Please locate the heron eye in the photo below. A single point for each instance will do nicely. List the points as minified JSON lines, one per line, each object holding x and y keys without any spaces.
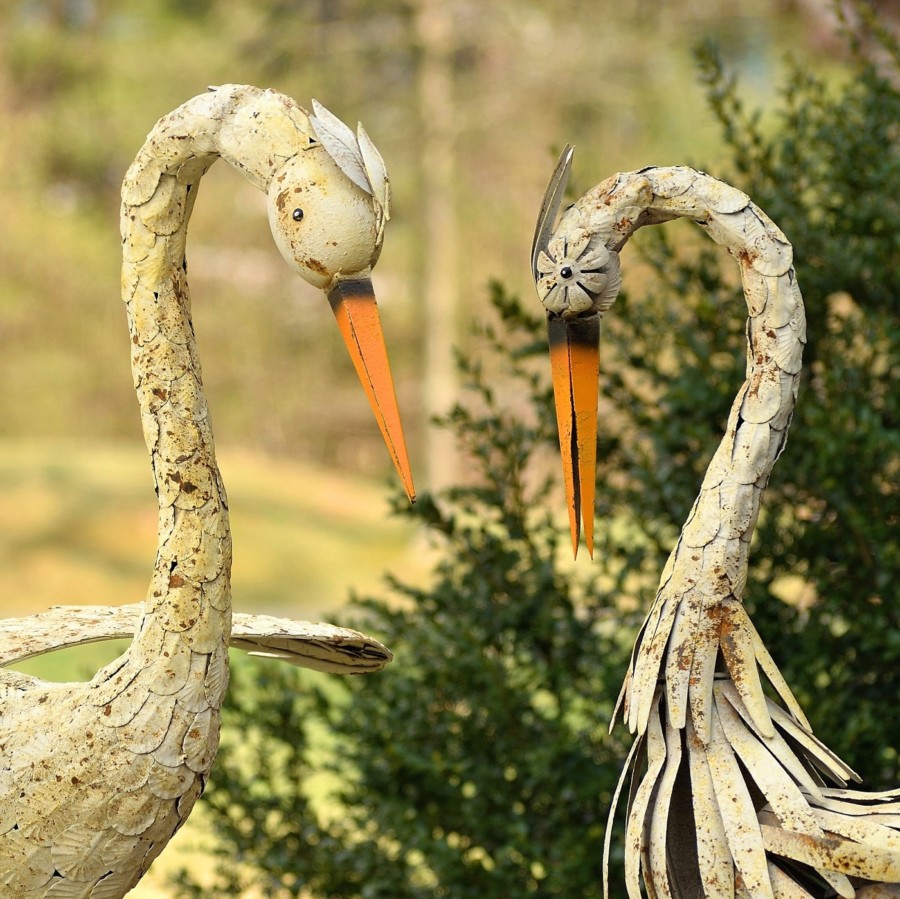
{"x":297,"y":215}
{"x":565,"y":272}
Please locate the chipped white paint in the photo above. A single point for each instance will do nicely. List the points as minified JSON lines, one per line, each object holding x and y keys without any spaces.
{"x":693,"y":693}
{"x":96,"y":777}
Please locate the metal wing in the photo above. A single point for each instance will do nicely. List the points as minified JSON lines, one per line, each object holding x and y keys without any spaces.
{"x":322,"y":647}
{"x":553,"y":196}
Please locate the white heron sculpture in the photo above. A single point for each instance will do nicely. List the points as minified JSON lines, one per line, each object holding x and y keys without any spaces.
{"x":728,"y":796}
{"x":96,"y":777}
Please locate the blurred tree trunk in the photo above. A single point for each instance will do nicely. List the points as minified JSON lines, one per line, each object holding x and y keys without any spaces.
{"x":437,"y":108}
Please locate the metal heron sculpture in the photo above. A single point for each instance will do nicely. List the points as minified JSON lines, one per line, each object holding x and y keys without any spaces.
{"x":731,"y":795}
{"x":96,"y":777}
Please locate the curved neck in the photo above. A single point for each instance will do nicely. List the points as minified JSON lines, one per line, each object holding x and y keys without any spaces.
{"x":724,"y":515}
{"x":256,"y":131}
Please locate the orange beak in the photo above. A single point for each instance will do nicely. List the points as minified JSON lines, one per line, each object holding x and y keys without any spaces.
{"x":575,"y":365}
{"x":353,"y":303}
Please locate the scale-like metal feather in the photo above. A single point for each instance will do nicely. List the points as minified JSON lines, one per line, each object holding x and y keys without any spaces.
{"x":636,"y":836}
{"x":785,"y":886}
{"x":713,"y":854}
{"x":648,"y":666}
{"x":781,"y":791}
{"x":736,"y":643}
{"x":863,"y":796}
{"x":879,"y":891}
{"x":617,"y":793}
{"x":659,"y":812}
{"x":704,"y":521}
{"x":775,"y":677}
{"x":738,"y":813}
{"x":776,"y":745}
{"x":667,"y":183}
{"x":680,"y":656}
{"x":859,"y":828}
{"x":816,"y":751}
{"x":703,"y":671}
{"x":834,"y":854}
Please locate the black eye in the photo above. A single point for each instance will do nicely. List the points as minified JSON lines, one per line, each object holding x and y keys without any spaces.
{"x":565,"y":272}
{"x":297,"y":215}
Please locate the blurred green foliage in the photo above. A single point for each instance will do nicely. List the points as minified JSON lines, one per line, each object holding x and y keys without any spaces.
{"x":477,"y":764}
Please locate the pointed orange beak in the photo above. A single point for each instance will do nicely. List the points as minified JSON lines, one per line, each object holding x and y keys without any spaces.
{"x":353,"y":303}
{"x":575,"y":365}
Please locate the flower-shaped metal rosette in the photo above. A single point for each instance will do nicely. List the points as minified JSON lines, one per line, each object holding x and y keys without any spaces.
{"x":572,"y":273}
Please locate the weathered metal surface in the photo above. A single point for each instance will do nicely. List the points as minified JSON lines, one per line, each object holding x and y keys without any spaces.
{"x":96,"y":777}
{"x":323,"y":647}
{"x":693,"y":693}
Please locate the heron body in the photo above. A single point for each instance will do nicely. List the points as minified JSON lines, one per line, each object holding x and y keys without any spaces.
{"x":96,"y":777}
{"x":728,"y":792}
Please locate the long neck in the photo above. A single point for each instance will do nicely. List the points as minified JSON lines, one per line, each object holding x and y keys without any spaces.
{"x":724,"y":515}
{"x":189,"y":594}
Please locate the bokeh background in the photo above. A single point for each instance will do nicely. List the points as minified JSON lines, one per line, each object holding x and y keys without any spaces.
{"x":468,"y":101}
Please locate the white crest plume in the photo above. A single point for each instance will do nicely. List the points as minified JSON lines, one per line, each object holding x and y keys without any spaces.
{"x":553,"y":197}
{"x":355,"y":155}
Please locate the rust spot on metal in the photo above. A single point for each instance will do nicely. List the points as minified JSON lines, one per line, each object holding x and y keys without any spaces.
{"x":316,"y":266}
{"x":684,"y":659}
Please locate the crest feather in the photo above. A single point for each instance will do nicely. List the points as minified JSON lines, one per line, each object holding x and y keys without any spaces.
{"x":375,"y":170}
{"x":550,"y":204}
{"x":340,"y":143}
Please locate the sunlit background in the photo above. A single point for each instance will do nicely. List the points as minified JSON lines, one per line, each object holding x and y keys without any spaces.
{"x":468,"y":101}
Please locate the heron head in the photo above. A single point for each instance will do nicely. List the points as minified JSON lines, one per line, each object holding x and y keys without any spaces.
{"x":328,"y":205}
{"x":576,"y":274}
{"x":325,"y":226}
{"x":577,"y":279}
